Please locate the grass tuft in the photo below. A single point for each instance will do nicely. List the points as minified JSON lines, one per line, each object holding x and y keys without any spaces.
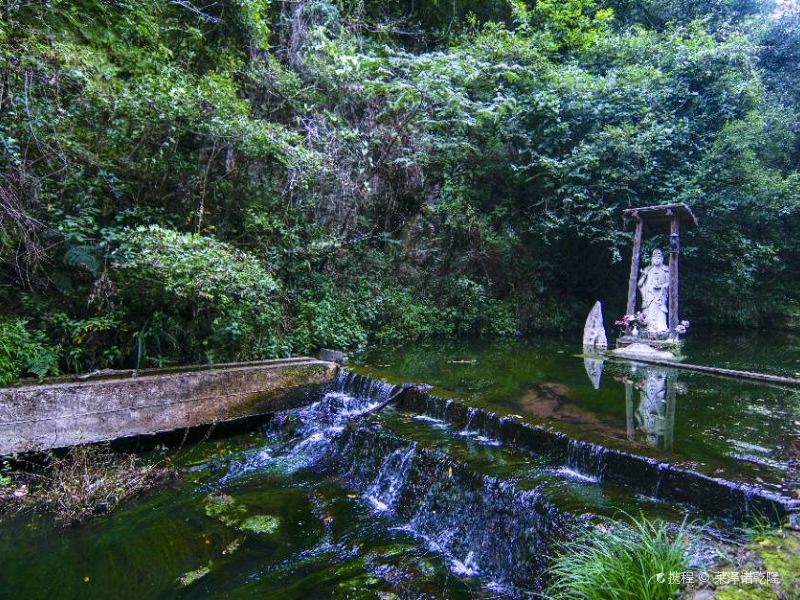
{"x":617,"y":561}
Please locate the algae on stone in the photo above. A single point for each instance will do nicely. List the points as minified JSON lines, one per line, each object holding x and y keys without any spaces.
{"x":190,"y":577}
{"x":261,"y":524}
{"x":781,"y":554}
{"x":770,"y":552}
{"x":233,"y":546}
{"x":224,"y":508}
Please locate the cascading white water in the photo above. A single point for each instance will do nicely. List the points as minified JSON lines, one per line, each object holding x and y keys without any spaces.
{"x":316,"y":427}
{"x":385,"y":491}
{"x":481,"y":526}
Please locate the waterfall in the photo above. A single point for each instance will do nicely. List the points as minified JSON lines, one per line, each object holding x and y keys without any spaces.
{"x":585,"y":462}
{"x":661,"y":469}
{"x":309,"y":434}
{"x":385,"y":491}
{"x":499,"y":530}
{"x":481,"y":525}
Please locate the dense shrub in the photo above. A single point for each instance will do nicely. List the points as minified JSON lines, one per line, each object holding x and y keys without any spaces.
{"x":253,"y":179}
{"x":198,"y":292}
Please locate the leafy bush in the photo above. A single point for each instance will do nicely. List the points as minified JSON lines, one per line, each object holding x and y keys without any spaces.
{"x":401,"y":317}
{"x":326,"y":318}
{"x":24,"y":352}
{"x":194,"y":290}
{"x":260,"y":178}
{"x":622,"y":562}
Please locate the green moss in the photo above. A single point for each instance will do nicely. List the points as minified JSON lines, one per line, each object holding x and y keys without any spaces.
{"x":233,"y":546}
{"x":190,"y":577}
{"x":769,"y":552}
{"x":781,"y":554}
{"x":224,"y":508}
{"x":358,"y":585}
{"x":393,"y":550}
{"x":731,"y":593}
{"x":261,"y":524}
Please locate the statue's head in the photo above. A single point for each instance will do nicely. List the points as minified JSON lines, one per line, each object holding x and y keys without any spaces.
{"x":658,"y":258}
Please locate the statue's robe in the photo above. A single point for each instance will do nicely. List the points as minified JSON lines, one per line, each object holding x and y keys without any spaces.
{"x":654,"y":286}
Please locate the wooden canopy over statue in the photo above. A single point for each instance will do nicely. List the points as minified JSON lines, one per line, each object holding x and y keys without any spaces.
{"x":658,"y":321}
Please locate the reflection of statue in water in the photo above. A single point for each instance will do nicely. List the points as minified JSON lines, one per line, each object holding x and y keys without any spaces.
{"x":651,"y":414}
{"x":654,"y":285}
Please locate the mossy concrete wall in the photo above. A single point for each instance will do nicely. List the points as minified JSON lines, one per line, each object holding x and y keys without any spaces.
{"x":57,"y":415}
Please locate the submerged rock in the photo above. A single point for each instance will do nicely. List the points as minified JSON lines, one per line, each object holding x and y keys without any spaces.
{"x":224,"y":508}
{"x":190,"y":577}
{"x":262,"y":524}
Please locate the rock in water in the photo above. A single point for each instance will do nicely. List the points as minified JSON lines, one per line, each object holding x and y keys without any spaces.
{"x":594,"y":333}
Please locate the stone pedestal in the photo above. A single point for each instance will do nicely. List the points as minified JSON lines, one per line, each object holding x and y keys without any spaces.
{"x":639,"y":350}
{"x":659,"y":344}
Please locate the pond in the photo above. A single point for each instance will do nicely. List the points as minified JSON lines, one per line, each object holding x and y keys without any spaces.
{"x":731,"y":428}
{"x":323,"y":502}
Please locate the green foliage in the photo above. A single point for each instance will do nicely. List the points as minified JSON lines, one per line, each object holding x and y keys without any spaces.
{"x":192,"y":268}
{"x":195,"y":290}
{"x":326,"y":318}
{"x":6,"y":478}
{"x":24,"y":352}
{"x":622,"y":562}
{"x":254,"y":179}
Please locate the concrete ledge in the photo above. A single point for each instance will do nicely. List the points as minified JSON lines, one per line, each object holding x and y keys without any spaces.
{"x":56,"y":415}
{"x":714,"y":496}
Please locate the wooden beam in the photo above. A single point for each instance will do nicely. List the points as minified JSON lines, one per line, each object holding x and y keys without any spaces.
{"x":673,"y":364}
{"x":655,"y":215}
{"x":675,"y":232}
{"x":635,"y":255}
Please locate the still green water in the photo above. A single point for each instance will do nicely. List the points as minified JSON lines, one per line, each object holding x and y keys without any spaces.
{"x":735,"y":429}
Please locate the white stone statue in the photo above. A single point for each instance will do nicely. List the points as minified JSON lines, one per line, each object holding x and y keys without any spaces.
{"x":654,"y":287}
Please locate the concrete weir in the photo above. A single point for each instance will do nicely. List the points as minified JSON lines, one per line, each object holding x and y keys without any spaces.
{"x":650,"y":477}
{"x":124,"y":404}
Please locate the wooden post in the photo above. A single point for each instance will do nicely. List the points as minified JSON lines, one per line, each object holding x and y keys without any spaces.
{"x":637,"y":245}
{"x":674,"y":250}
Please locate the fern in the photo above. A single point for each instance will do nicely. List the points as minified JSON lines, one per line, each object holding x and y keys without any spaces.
{"x":24,"y":352}
{"x":82,"y":257}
